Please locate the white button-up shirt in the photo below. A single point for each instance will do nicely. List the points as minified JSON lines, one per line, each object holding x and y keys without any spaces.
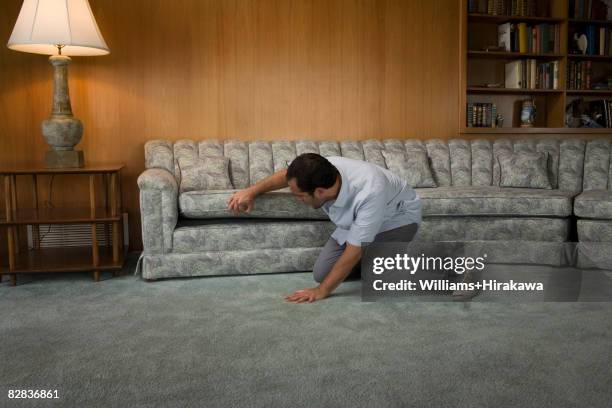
{"x":371,"y":200}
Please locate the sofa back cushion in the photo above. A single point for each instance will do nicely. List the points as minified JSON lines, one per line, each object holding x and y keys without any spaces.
{"x":597,"y":165}
{"x":524,"y":170}
{"x":208,"y":173}
{"x":575,"y":164}
{"x":412,"y":167}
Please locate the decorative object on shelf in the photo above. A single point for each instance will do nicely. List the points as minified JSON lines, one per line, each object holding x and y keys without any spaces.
{"x":528,"y":113}
{"x":573,"y":112}
{"x":582,"y":43}
{"x":60,"y":29}
{"x":494,"y":85}
{"x":499,"y":120}
{"x":581,"y":113}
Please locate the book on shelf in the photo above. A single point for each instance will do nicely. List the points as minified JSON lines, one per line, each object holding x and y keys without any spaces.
{"x":529,"y":74}
{"x":481,"y":114}
{"x":590,"y":9}
{"x":523,"y":8}
{"x":521,"y":37}
{"x":579,"y":75}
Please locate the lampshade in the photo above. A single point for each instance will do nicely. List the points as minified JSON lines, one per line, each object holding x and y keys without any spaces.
{"x":43,"y":24}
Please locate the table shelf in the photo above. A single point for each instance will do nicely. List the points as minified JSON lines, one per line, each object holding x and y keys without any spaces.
{"x":70,"y":259}
{"x":33,"y":216}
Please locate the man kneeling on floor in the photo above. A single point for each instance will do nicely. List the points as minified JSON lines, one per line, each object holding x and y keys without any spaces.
{"x":366,"y":203}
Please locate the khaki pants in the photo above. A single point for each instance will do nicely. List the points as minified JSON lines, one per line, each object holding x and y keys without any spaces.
{"x":332,"y":250}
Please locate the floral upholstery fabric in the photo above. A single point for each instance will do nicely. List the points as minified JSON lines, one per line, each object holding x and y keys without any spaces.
{"x":438,"y":152}
{"x":159,"y":155}
{"x":595,"y":231}
{"x":493,"y":229}
{"x":596,"y":165}
{"x":283,"y":154}
{"x":250,"y":234}
{"x":571,"y":164}
{"x":515,"y":225}
{"x":275,"y":204}
{"x":411,"y":166}
{"x":211,"y":263}
{"x":594,"y":204}
{"x":524,"y":170}
{"x":158,"y":209}
{"x":442,"y":201}
{"x":211,"y":173}
{"x":238,"y":154}
{"x":460,"y":162}
{"x":461,"y":201}
{"x":455,"y":162}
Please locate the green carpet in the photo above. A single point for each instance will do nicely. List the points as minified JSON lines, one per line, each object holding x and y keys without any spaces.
{"x":232,"y":341}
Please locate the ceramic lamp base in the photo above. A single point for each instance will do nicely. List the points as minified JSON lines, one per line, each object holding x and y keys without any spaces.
{"x":59,"y":159}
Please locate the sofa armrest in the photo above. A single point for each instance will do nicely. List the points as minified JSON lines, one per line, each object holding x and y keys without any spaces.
{"x":158,"y":209}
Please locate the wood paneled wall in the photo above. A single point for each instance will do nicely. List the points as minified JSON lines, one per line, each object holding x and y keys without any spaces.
{"x":245,"y":69}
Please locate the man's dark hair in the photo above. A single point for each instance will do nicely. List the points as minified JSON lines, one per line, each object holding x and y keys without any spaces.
{"x":312,"y":171}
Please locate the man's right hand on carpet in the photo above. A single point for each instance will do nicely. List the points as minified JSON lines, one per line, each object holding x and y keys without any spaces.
{"x":241,"y":201}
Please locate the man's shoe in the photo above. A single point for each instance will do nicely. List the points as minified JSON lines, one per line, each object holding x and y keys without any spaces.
{"x":463,"y":295}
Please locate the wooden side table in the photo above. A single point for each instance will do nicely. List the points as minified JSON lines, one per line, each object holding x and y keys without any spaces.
{"x":64,"y":259}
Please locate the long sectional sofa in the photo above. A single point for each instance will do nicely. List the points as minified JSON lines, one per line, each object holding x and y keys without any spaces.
{"x":192,"y":233}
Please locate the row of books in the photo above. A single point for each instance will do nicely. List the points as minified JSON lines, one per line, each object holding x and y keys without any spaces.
{"x":579,"y":75}
{"x":531,"y":74}
{"x":590,"y":9}
{"x":539,"y":38}
{"x":598,"y":40}
{"x":503,"y":7}
{"x":481,"y":114}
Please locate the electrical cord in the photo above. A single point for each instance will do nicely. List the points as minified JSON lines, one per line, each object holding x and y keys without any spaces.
{"x":48,"y":204}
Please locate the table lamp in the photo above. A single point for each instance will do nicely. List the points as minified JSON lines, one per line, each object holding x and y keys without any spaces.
{"x":59,"y":28}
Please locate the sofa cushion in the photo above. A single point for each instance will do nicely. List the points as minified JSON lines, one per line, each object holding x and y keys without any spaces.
{"x":276,"y":204}
{"x":412,"y":167}
{"x":594,"y":204}
{"x":524,"y":170}
{"x":209,"y":173}
{"x":441,"y":201}
{"x":465,"y":201}
{"x":594,"y":231}
{"x":493,"y":229}
{"x":242,"y":235}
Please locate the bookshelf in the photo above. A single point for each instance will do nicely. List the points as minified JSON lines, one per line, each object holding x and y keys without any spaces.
{"x":481,"y":65}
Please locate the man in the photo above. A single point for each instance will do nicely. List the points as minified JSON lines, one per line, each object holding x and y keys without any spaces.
{"x":366,"y":202}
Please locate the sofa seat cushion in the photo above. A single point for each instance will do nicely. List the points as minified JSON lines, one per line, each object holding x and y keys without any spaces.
{"x":493,"y":229}
{"x":594,"y":204}
{"x":498,"y":201}
{"x":241,"y":235}
{"x":252,"y":234}
{"x":595,"y":231}
{"x":276,"y":204}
